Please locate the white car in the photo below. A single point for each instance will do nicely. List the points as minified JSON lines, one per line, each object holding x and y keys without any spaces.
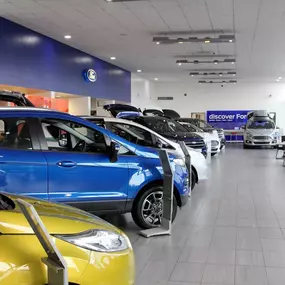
{"x":142,"y":135}
{"x":209,"y":138}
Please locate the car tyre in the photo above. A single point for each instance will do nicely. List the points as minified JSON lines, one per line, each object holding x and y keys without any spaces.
{"x":213,"y":154}
{"x":245,"y":146}
{"x":193,"y":179}
{"x":144,"y":204}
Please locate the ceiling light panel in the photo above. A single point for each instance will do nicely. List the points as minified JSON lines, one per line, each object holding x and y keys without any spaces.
{"x":214,"y":73}
{"x":185,"y":61}
{"x":217,"y":82}
{"x":206,"y":40}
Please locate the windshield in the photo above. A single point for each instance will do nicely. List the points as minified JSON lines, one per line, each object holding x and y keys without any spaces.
{"x":162,"y":125}
{"x":261,"y":124}
{"x":191,"y":128}
{"x":202,"y":124}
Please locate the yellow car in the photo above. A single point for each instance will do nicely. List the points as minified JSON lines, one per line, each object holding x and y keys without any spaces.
{"x":95,"y":251}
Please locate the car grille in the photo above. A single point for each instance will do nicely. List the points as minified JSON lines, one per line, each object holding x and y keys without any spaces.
{"x":195,"y":144}
{"x":262,"y":138}
{"x":261,"y":143}
{"x":221,"y":134}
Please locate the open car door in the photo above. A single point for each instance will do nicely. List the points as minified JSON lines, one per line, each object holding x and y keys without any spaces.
{"x":16,"y":98}
{"x":115,"y":109}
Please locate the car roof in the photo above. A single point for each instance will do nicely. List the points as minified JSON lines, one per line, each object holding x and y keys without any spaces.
{"x":29,"y":109}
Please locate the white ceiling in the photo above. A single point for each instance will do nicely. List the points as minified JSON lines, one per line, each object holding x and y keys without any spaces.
{"x":125,"y":30}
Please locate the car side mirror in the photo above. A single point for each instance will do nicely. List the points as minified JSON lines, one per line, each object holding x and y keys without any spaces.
{"x":113,"y":153}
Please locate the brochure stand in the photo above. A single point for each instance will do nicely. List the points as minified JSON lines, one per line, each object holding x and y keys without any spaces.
{"x":57,"y":269}
{"x":188,"y":163}
{"x":166,"y":221}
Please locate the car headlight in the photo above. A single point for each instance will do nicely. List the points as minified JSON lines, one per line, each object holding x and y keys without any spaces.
{"x":179,"y":161}
{"x":248,"y":135}
{"x":98,"y":240}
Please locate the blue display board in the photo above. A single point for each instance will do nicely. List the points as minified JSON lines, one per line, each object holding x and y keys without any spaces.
{"x":228,"y":120}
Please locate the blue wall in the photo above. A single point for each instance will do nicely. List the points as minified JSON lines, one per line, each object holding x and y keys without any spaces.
{"x":30,"y":59}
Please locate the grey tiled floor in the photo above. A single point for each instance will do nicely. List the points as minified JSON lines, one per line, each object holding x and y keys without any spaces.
{"x":231,"y":232}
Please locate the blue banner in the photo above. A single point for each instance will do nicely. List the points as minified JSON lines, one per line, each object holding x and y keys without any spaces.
{"x":228,"y":120}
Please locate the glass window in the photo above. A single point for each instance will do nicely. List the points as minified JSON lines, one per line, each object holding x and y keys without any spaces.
{"x":261,"y":124}
{"x":15,"y":134}
{"x":133,"y":134}
{"x":163,"y":125}
{"x":69,"y":136}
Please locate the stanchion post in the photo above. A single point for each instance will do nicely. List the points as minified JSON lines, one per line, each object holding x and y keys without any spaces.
{"x":56,"y":265}
{"x":166,"y":220}
{"x":188,"y":163}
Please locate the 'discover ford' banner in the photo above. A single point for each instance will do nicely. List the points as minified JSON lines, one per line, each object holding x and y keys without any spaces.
{"x":228,"y":120}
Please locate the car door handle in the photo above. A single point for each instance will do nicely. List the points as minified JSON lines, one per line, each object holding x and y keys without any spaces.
{"x":66,"y":164}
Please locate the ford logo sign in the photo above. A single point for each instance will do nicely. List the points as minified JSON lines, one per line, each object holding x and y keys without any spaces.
{"x":90,"y":75}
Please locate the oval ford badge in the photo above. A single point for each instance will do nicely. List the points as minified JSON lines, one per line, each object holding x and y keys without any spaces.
{"x":90,"y":75}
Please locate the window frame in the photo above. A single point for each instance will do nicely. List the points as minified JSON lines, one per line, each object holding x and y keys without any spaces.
{"x":43,"y":141}
{"x":32,"y":122}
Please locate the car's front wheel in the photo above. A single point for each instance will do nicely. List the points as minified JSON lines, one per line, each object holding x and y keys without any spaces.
{"x":147,"y":210}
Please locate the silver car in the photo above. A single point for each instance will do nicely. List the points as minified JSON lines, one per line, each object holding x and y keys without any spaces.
{"x":260,"y":131}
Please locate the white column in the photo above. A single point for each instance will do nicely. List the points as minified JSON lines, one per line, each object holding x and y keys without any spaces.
{"x":80,"y":106}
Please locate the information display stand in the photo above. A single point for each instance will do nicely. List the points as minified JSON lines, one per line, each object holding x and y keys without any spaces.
{"x":188,"y":163}
{"x":57,"y":269}
{"x":166,"y":220}
{"x":209,"y":156}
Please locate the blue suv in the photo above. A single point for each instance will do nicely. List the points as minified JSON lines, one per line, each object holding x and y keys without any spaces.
{"x":63,"y":158}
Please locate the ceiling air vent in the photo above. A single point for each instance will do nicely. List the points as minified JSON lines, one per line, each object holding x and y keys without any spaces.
{"x":164,"y":98}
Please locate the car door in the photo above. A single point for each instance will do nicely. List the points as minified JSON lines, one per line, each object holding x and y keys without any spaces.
{"x":79,"y":169}
{"x":23,"y":168}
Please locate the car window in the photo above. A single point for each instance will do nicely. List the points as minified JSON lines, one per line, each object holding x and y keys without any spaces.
{"x":63,"y":135}
{"x":133,"y":134}
{"x":15,"y":134}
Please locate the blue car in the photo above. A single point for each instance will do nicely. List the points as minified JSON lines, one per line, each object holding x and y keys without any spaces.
{"x":63,"y":158}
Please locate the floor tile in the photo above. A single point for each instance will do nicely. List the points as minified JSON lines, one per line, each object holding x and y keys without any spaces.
{"x":276,"y":276}
{"x":267,"y":233}
{"x":162,"y":253}
{"x":274,"y":258}
{"x":157,"y":271}
{"x":221,"y":256}
{"x":273,"y":244}
{"x":249,"y":257}
{"x":194,"y":254}
{"x":187,"y":272}
{"x":250,"y":275}
{"x":219,"y":274}
{"x":268,"y":223}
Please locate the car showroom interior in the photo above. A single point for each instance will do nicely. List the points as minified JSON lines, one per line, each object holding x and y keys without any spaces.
{"x":142,"y":142}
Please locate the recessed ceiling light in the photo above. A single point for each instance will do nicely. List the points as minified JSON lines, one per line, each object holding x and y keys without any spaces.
{"x":180,"y":42}
{"x":207,"y":41}
{"x":67,"y":37}
{"x":230,"y":41}
{"x":139,"y":70}
{"x":156,"y":79}
{"x":179,"y":63}
{"x":279,"y":77}
{"x":234,"y":74}
{"x":221,"y":74}
{"x":215,"y":62}
{"x":192,"y":74}
{"x":233,"y":62}
{"x":109,"y":0}
{"x":112,"y":57}
{"x":158,"y":43}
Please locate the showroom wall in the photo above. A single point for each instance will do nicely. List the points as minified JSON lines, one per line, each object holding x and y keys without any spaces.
{"x":30,"y":59}
{"x":242,"y":96}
